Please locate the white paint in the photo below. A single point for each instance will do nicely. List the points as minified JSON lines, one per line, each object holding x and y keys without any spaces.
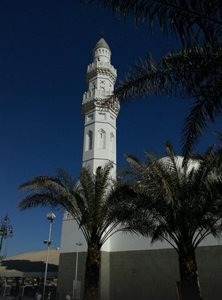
{"x":101,"y":77}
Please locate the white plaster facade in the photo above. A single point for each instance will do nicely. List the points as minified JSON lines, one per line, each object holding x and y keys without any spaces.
{"x":99,"y":144}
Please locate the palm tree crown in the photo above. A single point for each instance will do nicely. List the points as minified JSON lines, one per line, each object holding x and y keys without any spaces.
{"x":179,"y":202}
{"x":179,"y":195}
{"x":91,"y":202}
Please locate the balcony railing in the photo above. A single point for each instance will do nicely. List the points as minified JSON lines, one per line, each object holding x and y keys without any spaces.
{"x":101,"y":64}
{"x":90,"y":95}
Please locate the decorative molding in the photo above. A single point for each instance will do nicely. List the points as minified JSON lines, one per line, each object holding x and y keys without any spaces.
{"x":101,"y":71}
{"x":105,"y":104}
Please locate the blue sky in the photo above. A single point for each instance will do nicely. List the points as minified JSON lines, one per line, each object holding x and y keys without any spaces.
{"x":45,"y":49}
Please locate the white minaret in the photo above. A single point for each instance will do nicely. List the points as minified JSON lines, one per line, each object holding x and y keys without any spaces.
{"x":99,"y":144}
{"x":100,"y":115}
{"x":99,"y":147}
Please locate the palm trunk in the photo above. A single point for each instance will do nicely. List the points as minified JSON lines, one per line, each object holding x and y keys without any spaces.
{"x":189,"y":281}
{"x":93,"y":260}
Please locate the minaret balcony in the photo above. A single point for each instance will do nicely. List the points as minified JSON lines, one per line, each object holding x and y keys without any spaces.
{"x":96,"y":94}
{"x":101,"y":65}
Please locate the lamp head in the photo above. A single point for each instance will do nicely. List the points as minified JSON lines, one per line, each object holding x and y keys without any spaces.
{"x":51,"y":216}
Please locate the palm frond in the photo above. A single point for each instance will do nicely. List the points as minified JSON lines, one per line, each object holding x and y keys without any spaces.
{"x":92,"y":201}
{"x":44,"y":183}
{"x":134,"y":170}
{"x":191,"y":21}
{"x":38,"y":200}
{"x":65,"y":178}
{"x":147,"y":77}
{"x":86,"y":185}
{"x":194,"y":73}
{"x":204,"y":111}
{"x":180,"y":203}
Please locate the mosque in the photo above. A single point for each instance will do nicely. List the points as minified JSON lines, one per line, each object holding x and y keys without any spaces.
{"x":131,"y":267}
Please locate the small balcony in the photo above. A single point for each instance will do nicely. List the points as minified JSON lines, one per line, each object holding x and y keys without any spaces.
{"x":96,"y":94}
{"x":100,"y":64}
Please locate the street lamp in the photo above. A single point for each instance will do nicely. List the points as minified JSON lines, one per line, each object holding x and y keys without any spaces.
{"x":6,"y":230}
{"x":51,"y":217}
{"x":79,"y":244}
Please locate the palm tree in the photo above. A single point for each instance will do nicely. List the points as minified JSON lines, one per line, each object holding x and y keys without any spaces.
{"x":178,"y":202}
{"x":91,"y":203}
{"x":198,"y":26}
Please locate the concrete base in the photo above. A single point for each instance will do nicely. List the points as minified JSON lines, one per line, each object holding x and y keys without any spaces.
{"x":144,"y":275}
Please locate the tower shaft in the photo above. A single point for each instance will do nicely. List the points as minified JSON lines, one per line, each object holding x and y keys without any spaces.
{"x":99,"y":111}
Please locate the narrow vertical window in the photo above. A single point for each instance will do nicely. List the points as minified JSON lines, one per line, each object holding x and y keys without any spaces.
{"x":112,"y":141}
{"x":102,"y":139}
{"x":90,"y":117}
{"x":89,"y":140}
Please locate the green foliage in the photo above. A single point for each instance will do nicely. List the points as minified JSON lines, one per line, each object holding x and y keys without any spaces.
{"x":178,"y":201}
{"x":92,"y":200}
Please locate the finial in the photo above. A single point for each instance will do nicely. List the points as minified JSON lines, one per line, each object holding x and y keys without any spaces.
{"x":101,"y":35}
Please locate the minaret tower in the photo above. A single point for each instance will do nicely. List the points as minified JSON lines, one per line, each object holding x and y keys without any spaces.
{"x":99,"y":112}
{"x":99,"y":147}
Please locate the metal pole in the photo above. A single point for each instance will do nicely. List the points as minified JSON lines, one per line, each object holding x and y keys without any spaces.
{"x":6,"y":230}
{"x":1,"y":242}
{"x":76,"y":269}
{"x":50,"y":217}
{"x":47,"y":260}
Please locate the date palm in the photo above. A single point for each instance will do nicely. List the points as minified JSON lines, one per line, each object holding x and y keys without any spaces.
{"x":90,"y":201}
{"x":178,"y":202}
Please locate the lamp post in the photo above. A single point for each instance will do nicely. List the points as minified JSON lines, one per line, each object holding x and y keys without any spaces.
{"x":6,"y":230}
{"x":79,"y":244}
{"x":51,"y":217}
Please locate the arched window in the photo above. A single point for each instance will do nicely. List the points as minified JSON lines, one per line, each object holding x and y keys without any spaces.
{"x":112,"y":141}
{"x":89,"y":140}
{"x":102,"y":90}
{"x":101,"y":139}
